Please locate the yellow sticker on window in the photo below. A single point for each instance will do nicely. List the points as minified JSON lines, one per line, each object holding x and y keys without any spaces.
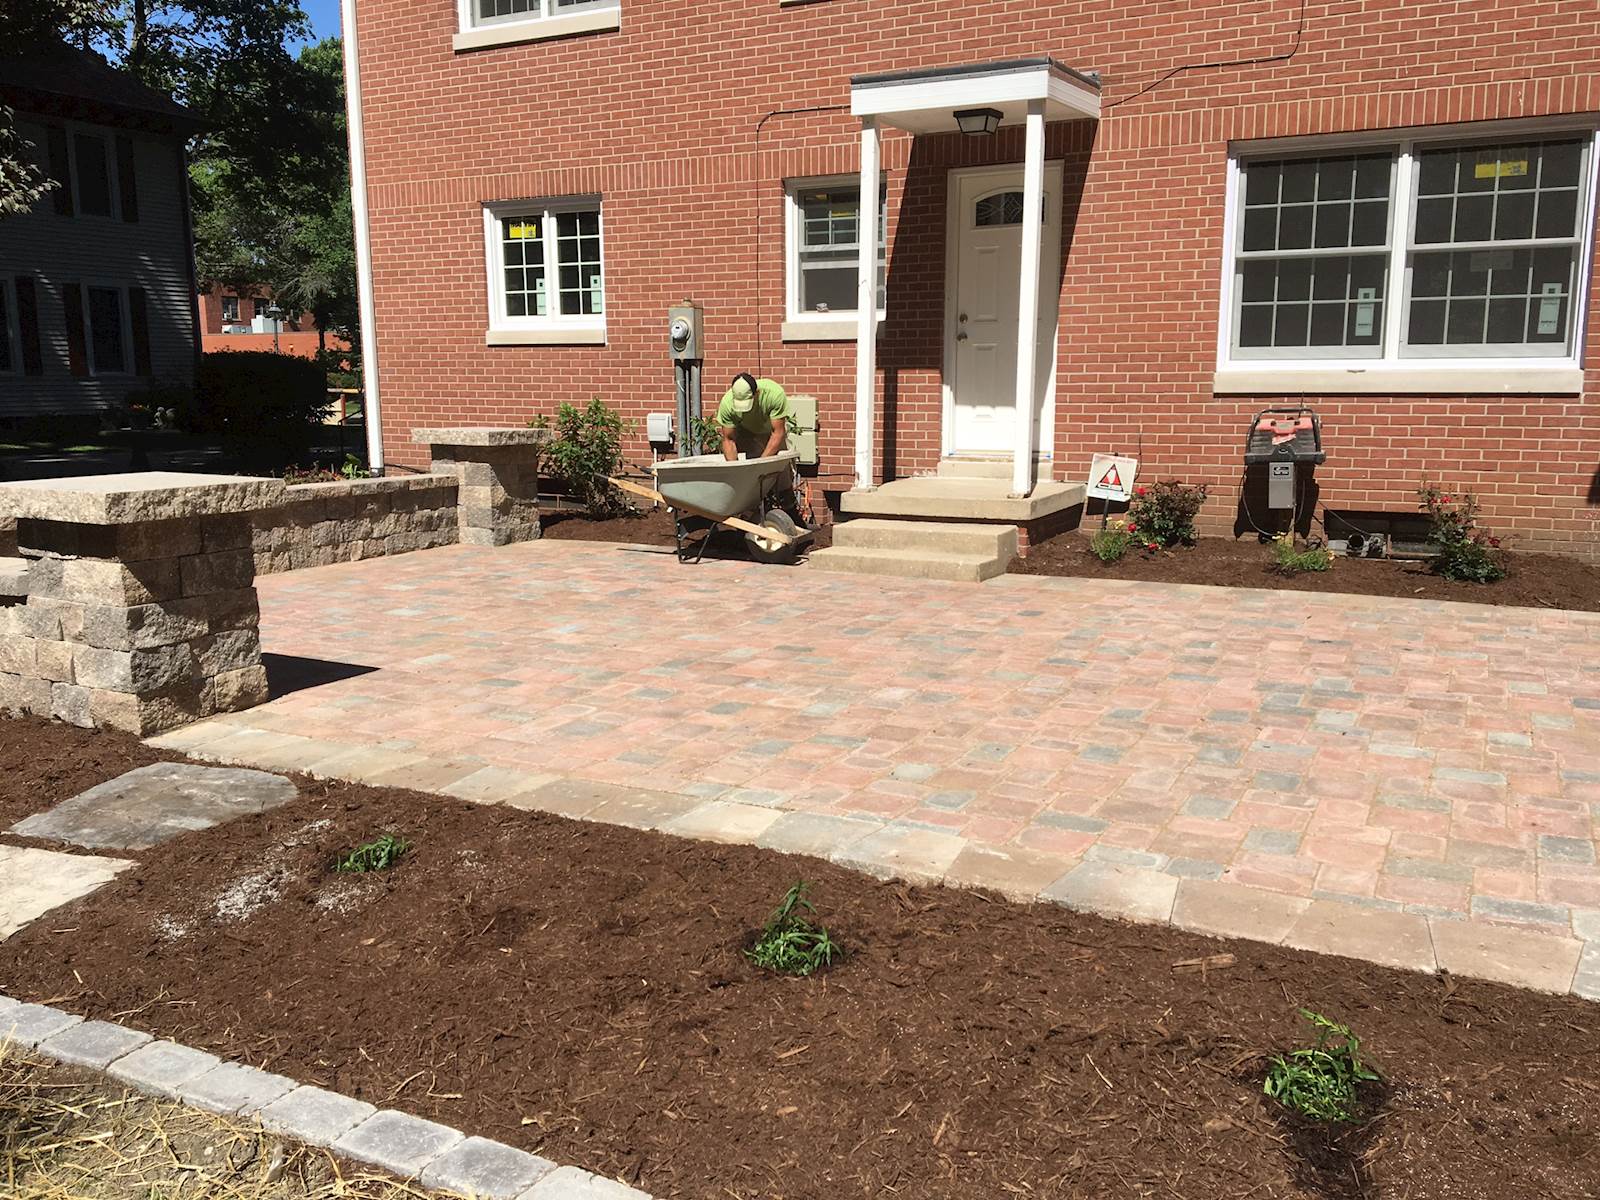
{"x":1500,"y":168}
{"x":524,"y":229}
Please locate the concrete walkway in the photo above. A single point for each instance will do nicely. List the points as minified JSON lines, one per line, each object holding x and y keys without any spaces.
{"x":1408,"y":781}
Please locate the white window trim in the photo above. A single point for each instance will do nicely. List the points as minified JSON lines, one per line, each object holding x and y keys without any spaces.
{"x":800,"y":325}
{"x":107,"y":139}
{"x":1519,"y":375}
{"x":551,"y":329}
{"x":125,"y":306}
{"x":11,"y":332}
{"x":473,"y":34}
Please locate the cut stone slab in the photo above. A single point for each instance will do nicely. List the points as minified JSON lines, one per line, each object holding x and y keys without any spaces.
{"x":495,"y":785}
{"x":162,"y":1068}
{"x":573,"y":797}
{"x":125,"y":499}
{"x":486,"y":1170}
{"x":397,"y":1142}
{"x":34,"y":881}
{"x":820,"y":834}
{"x":1015,"y":872}
{"x":640,"y":808}
{"x":314,"y":1115}
{"x":148,"y":805}
{"x":1116,"y":890}
{"x":903,"y":852}
{"x":723,"y":821}
{"x":27,"y":1025}
{"x":1391,"y":939}
{"x":95,"y":1044}
{"x":569,"y":1183}
{"x":480,"y":435}
{"x":234,"y":1089}
{"x":1521,"y":957}
{"x":1233,"y":910}
{"x":13,"y":577}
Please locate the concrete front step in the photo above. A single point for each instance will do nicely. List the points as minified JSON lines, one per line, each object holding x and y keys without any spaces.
{"x":947,"y":498}
{"x":909,"y":564}
{"x":944,"y":537}
{"x":975,"y":468}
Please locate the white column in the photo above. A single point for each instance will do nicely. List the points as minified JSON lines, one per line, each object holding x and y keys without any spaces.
{"x":867,"y":301}
{"x":366,"y":302}
{"x":1028,"y":298}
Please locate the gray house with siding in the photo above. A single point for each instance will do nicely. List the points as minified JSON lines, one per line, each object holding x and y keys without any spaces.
{"x":97,"y":279}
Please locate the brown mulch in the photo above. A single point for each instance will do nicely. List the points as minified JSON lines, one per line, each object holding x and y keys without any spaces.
{"x":42,"y":762}
{"x":1534,"y":581}
{"x":650,"y":528}
{"x":579,"y":990}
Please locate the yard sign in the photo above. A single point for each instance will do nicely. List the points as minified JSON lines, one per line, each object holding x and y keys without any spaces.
{"x":1111,"y":477}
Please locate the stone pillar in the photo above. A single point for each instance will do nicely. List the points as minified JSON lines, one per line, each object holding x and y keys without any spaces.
{"x":141,"y":610}
{"x":498,"y":469}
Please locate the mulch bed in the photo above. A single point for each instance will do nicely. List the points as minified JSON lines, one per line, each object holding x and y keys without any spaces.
{"x":579,"y":990}
{"x":1534,"y":581}
{"x":652,"y":527}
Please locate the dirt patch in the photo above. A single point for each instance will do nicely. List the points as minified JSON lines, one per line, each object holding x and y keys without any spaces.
{"x":1534,"y":581}
{"x":578,"y":990}
{"x":650,"y":528}
{"x":46,"y":761}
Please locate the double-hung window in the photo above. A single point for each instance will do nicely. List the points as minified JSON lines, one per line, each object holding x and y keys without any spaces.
{"x":823,"y":257}
{"x":109,"y":335}
{"x":230,"y":309}
{"x":1386,"y":266}
{"x":497,"y":22}
{"x":546,"y":272}
{"x":10,"y":339}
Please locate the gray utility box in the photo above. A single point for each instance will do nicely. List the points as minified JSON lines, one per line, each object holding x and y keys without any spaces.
{"x":685,"y":333}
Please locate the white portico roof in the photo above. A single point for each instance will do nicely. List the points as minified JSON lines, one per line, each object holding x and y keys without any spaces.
{"x":925,"y":100}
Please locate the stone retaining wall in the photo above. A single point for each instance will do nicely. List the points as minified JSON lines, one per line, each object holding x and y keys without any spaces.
{"x":322,"y":523}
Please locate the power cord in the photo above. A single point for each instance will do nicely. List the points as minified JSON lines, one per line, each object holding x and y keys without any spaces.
{"x":1294,"y":48}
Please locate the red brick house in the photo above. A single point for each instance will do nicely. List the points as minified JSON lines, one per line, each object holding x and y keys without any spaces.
{"x":239,"y":318}
{"x":1383,"y":210}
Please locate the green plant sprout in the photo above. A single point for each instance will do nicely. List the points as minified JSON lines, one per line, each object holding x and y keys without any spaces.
{"x":1320,"y":1081}
{"x":1289,"y":559}
{"x":789,"y":943}
{"x":377,"y":855}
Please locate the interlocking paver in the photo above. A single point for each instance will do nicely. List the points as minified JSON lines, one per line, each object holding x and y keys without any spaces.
{"x":234,"y":1089}
{"x":1521,"y":956}
{"x":486,"y":1170}
{"x":1394,"y":939}
{"x":94,"y":1044}
{"x":162,"y":1068}
{"x":569,"y":1183}
{"x":314,"y":1115}
{"x":723,"y":821}
{"x":1137,"y":893}
{"x":937,"y":707}
{"x":29,"y":1024}
{"x":397,"y":1142}
{"x":1232,"y":910}
{"x":902,"y":852}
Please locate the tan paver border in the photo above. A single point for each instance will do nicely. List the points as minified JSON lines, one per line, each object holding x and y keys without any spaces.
{"x":1479,"y":949}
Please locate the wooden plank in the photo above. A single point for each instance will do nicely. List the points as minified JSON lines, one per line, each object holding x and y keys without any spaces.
{"x":739,"y":523}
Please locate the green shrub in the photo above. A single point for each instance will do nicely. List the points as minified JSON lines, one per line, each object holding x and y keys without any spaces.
{"x":1110,"y":544}
{"x":705,"y":435}
{"x":1162,"y":514}
{"x":1288,"y":559}
{"x":1466,"y":552}
{"x":1320,"y":1081}
{"x":377,"y":855}
{"x":264,"y":407}
{"x":585,"y":447}
{"x":789,"y":943}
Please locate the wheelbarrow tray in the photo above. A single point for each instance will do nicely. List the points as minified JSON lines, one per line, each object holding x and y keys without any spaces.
{"x":717,"y":487}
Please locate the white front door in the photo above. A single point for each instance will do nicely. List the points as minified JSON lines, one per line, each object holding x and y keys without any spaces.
{"x":981,"y":309}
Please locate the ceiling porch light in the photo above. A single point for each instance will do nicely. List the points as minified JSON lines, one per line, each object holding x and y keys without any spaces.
{"x":978,"y":122}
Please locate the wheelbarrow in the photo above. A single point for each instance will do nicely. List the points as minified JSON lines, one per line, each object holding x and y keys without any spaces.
{"x":707,"y":492}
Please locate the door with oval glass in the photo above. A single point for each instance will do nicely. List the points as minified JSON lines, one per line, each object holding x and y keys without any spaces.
{"x":981,"y":309}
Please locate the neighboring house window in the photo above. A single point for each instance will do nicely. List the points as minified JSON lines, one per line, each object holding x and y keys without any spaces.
{"x":824,"y":248}
{"x":1422,"y":249}
{"x":10,"y":340}
{"x":546,"y":273}
{"x":108,"y":330}
{"x":92,"y":171}
{"x":230,"y":310}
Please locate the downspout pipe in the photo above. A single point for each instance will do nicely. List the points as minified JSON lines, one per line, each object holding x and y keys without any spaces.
{"x":365,"y":298}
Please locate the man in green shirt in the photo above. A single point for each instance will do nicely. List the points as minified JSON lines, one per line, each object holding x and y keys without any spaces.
{"x":754,"y":418}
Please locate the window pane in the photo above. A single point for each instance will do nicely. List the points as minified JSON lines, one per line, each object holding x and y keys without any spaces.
{"x":578,"y":252}
{"x":1299,"y":181}
{"x":1261,"y":229}
{"x":1463,"y":324}
{"x":1503,"y":297}
{"x":1255,"y":325}
{"x":1345,"y":295}
{"x":829,"y":230}
{"x":105,"y":330}
{"x":1294,"y":227}
{"x":1290,"y":326}
{"x":522,"y":247}
{"x":94,"y":178}
{"x":1513,"y":216}
{"x":1314,"y":208}
{"x":492,"y":10}
{"x":1261,"y":182}
{"x":1474,"y":218}
{"x":1427,"y":323}
{"x":1333,"y":225}
{"x":1558,"y":214}
{"x":1002,"y":209}
{"x":1498,"y":192}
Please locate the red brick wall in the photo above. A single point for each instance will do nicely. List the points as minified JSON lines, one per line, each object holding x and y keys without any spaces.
{"x":660,"y":119}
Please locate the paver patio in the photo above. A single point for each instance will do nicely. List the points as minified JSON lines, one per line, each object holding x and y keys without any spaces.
{"x":1437,"y":760}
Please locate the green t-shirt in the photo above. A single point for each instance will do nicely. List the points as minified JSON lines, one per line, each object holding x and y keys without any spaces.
{"x":772,"y":404}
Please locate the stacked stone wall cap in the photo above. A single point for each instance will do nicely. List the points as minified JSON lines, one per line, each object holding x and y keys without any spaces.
{"x":481,"y":435}
{"x":125,"y":499}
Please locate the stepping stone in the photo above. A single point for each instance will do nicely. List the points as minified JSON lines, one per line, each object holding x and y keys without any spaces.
{"x":32,"y":882}
{"x":149,"y":805}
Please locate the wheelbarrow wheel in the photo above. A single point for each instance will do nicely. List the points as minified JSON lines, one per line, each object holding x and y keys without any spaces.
{"x":771,"y":550}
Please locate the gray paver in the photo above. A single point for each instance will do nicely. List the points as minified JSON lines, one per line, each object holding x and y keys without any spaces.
{"x":569,"y":1183}
{"x":397,"y":1142}
{"x":234,"y":1089}
{"x":314,"y":1115}
{"x":485,"y":1169}
{"x":29,"y":1024}
{"x":95,"y":1044}
{"x":162,"y":1068}
{"x":1115,"y":890}
{"x":147,"y":805}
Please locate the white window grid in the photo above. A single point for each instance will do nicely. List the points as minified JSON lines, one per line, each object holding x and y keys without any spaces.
{"x":124,"y":328}
{"x":1395,"y":348}
{"x":834,"y":232}
{"x":480,"y":13}
{"x":570,"y":233}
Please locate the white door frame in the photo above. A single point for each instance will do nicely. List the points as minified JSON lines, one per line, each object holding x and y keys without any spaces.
{"x":1053,"y":182}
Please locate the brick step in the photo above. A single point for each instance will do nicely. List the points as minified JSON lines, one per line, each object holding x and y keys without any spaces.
{"x":909,"y":564}
{"x":947,"y":537}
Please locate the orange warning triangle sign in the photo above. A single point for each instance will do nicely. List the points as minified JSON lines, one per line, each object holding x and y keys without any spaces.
{"x":1111,"y":479}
